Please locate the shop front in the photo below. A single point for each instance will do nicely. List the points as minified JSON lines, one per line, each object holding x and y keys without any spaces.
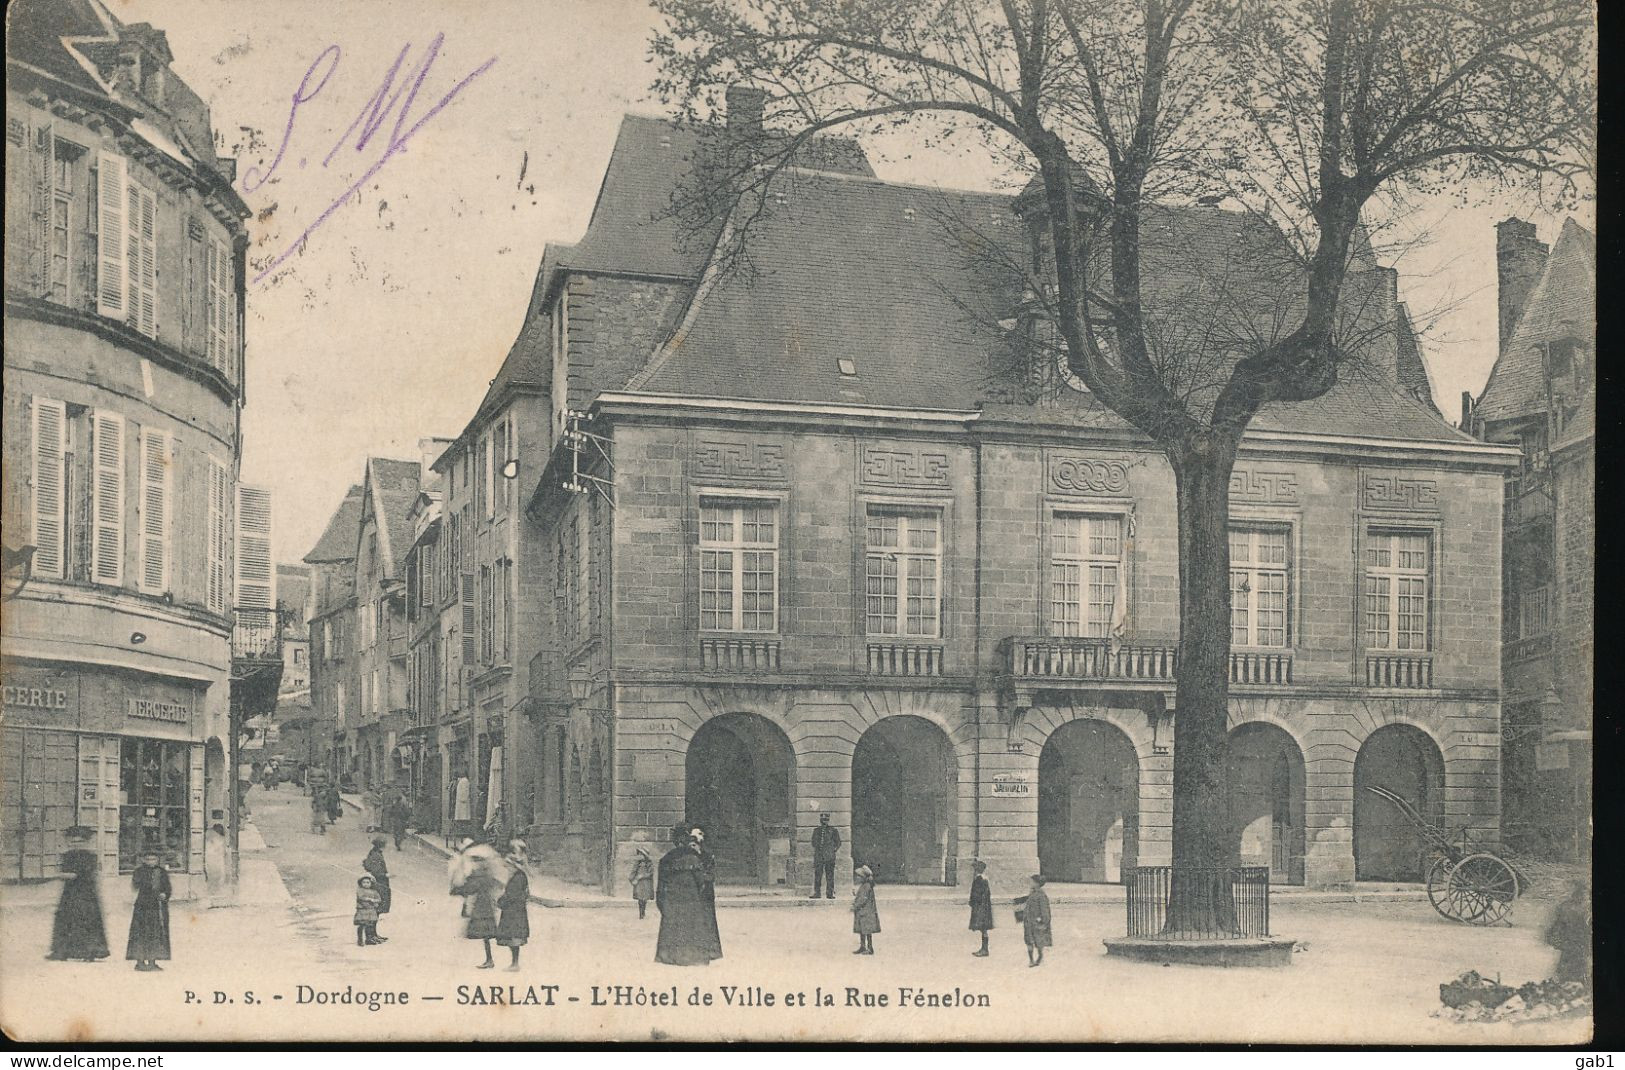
{"x":115,"y":751}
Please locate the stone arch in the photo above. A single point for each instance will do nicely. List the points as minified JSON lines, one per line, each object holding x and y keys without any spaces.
{"x":1266,"y":799}
{"x":707,"y":704}
{"x":739,"y":782}
{"x":1405,"y":759}
{"x":1267,"y":711}
{"x":905,"y":800}
{"x":1042,"y":722}
{"x":1088,"y":824}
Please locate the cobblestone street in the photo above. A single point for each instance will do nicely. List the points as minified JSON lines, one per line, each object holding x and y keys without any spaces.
{"x":1365,"y":972}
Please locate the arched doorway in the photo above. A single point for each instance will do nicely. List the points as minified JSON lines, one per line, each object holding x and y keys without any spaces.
{"x":1404,"y":760}
{"x":905,"y":787}
{"x":1264,"y":788}
{"x":739,"y":779}
{"x":1088,"y":803}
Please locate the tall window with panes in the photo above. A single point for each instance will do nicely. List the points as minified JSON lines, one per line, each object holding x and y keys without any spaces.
{"x":903,"y":572}
{"x":1398,"y":567}
{"x":1259,"y":585}
{"x":1087,"y":589}
{"x":739,"y":565}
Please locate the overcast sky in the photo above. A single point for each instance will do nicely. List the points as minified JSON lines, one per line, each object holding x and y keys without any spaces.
{"x":389,"y":323}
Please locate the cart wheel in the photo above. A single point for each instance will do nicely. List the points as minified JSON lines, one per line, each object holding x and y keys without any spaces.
{"x":1440,"y":895}
{"x":1487,"y":886}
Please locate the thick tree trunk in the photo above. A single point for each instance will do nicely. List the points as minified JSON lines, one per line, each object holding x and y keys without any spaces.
{"x":1200,"y":898}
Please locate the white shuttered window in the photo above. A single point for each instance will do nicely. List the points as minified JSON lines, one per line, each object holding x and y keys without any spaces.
{"x":218,"y":307}
{"x":256,"y":579}
{"x":141,"y":254}
{"x":157,"y":484}
{"x":107,"y":498}
{"x":219,"y":486}
{"x":111,"y":236}
{"x":50,"y":488}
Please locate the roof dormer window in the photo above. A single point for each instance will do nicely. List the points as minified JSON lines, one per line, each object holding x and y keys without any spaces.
{"x":847,"y":366}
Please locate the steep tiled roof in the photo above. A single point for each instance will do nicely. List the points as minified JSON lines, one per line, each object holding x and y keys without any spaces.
{"x":634,"y":227}
{"x":878,"y":274}
{"x":1411,"y":368}
{"x":34,"y":33}
{"x":78,"y":43}
{"x":338,"y":538}
{"x":529,"y":359}
{"x":1561,"y":305}
{"x":394,"y":487}
{"x":853,"y":270}
{"x":293,"y":587}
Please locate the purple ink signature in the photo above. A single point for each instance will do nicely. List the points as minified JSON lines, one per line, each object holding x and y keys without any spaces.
{"x":369,"y":121}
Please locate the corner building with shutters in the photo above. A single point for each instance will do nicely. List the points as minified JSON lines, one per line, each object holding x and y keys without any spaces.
{"x":835,"y":534}
{"x":123,"y":386}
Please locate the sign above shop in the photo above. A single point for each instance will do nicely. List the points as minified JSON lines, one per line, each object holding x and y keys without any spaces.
{"x":36,"y":698}
{"x":153,"y":710}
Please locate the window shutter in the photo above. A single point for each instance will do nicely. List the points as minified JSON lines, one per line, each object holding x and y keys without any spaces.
{"x":256,"y":580}
{"x":107,"y":498}
{"x":156,"y":465}
{"x":111,"y":238}
{"x":141,"y":266}
{"x":50,"y":499}
{"x":468,"y":618}
{"x":217,"y":537}
{"x":148,"y":307}
{"x":220,"y":307}
{"x":40,"y":158}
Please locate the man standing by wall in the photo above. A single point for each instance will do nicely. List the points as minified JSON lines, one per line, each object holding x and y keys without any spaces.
{"x":825,"y":842}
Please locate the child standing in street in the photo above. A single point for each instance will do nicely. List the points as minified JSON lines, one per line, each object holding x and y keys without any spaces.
{"x":367,"y":900}
{"x":643,"y":880}
{"x":1035,"y":922}
{"x":865,"y":915}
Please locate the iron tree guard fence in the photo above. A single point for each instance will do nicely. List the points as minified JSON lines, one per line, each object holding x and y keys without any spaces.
{"x":1220,"y":903}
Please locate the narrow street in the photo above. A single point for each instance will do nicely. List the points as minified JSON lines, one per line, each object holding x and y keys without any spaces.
{"x":1365,"y":971}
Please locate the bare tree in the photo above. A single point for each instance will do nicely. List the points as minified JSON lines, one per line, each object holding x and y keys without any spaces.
{"x":1307,"y":112}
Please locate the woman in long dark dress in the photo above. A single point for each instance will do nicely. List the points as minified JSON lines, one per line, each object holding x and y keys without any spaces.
{"x":685,"y":895}
{"x":513,"y":925}
{"x":981,"y":906}
{"x":149,"y":922}
{"x":77,"y":931}
{"x":374,"y":864}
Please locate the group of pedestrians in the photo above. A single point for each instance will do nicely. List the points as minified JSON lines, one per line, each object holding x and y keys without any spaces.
{"x":684,"y":890}
{"x":686,"y":897}
{"x":78,"y":931}
{"x":495,"y":886}
{"x":325,"y":805}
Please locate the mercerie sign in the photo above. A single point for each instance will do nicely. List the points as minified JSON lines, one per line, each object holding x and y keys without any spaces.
{"x":35,"y":698}
{"x":153,"y":710}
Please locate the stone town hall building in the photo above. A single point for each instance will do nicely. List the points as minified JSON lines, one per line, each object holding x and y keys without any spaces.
{"x":841,"y":563}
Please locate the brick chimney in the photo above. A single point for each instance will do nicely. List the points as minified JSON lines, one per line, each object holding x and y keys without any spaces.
{"x":1520,"y":257}
{"x":745,"y":106}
